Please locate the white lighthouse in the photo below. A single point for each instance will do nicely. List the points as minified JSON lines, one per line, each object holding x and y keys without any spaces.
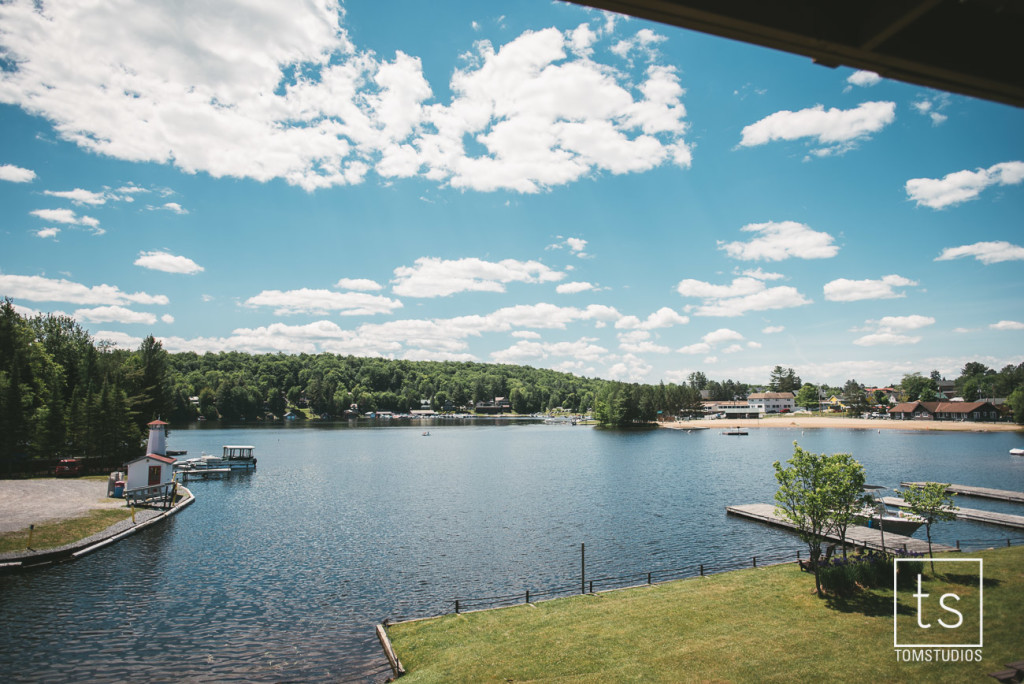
{"x":157,"y":438}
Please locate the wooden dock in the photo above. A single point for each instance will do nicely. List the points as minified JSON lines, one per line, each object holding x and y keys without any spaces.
{"x":980,"y":492}
{"x":856,"y":535}
{"x":1005,"y":519}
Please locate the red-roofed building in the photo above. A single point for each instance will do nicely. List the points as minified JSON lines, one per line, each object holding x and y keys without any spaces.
{"x":945,"y":410}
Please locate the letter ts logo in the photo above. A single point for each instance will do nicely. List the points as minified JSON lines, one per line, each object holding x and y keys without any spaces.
{"x":945,"y":611}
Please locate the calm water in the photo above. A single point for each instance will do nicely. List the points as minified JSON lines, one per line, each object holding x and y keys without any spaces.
{"x":281,"y":574}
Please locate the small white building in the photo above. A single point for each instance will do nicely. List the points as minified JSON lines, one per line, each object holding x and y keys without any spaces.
{"x":156,"y":467}
{"x":772,"y":402}
{"x":149,"y":470}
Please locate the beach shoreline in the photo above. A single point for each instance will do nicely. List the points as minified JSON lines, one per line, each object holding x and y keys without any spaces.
{"x":802,"y":422}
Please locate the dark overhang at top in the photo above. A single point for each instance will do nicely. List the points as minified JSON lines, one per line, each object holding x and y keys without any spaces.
{"x":972,"y":47}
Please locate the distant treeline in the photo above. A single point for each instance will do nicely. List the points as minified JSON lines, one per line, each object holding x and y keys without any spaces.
{"x":62,"y":394}
{"x":236,"y":386}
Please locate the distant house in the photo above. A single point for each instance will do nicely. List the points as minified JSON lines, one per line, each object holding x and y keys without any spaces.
{"x":499,"y":405}
{"x":945,"y":410}
{"x":771,"y":402}
{"x":729,"y":409}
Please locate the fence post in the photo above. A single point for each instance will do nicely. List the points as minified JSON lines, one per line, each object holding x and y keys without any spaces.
{"x":591,"y":586}
{"x":456,"y":606}
{"x":798,"y":554}
{"x":1007,"y":542}
{"x":701,"y":569}
{"x":648,"y":578}
{"x":583,"y":568}
{"x":755,"y":561}
{"x":957,"y":544}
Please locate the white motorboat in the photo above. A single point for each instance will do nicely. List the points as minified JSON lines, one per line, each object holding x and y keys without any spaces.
{"x":233,"y":458}
{"x":877,"y":515}
{"x":1017,"y":452}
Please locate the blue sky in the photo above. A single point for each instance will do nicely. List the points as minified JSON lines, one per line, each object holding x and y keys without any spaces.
{"x":513,"y":182}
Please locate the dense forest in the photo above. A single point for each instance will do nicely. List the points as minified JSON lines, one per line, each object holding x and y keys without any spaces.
{"x":64,"y":395}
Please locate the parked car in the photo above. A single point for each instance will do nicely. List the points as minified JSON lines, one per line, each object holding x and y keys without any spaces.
{"x":68,"y":467}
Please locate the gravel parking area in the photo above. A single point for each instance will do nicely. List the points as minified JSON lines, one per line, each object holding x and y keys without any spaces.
{"x":31,"y":502}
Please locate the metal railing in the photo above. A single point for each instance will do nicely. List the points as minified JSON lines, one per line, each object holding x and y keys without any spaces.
{"x":591,"y":585}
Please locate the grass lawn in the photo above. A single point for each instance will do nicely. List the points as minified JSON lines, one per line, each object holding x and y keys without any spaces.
{"x":749,"y":625}
{"x":52,"y":535}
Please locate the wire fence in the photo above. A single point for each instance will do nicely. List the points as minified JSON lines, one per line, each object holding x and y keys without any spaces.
{"x":590,"y":585}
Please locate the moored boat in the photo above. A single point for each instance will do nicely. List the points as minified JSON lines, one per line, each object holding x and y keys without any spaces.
{"x":877,"y":515}
{"x":1017,"y":452}
{"x":239,"y":457}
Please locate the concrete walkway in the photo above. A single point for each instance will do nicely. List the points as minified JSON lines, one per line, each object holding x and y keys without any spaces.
{"x":144,"y":517}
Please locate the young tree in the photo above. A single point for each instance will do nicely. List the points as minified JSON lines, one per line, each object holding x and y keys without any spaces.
{"x":933,"y":503}
{"x":845,"y":479}
{"x":815,"y":494}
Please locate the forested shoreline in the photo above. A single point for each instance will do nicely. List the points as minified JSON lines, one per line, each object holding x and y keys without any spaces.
{"x":63,"y":394}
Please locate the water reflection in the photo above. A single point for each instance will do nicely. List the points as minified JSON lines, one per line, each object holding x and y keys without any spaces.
{"x":282,"y":573}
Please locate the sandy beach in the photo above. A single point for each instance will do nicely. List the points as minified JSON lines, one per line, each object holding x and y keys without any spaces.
{"x":794,"y":421}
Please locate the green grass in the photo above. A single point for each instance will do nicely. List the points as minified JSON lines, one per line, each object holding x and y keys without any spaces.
{"x":52,"y":535}
{"x":749,"y":625}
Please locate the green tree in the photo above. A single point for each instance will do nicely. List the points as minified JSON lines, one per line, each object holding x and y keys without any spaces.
{"x":813,"y":494}
{"x":807,"y":396}
{"x":933,"y":503}
{"x":845,"y":479}
{"x":1016,"y":403}
{"x":914,"y":383}
{"x":784,"y":380}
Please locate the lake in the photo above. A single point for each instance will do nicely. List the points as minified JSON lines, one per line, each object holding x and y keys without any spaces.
{"x":281,"y":574}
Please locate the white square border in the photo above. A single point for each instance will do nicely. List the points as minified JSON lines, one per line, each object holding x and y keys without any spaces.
{"x":981,"y":603}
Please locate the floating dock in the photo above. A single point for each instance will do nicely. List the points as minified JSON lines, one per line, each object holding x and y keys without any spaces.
{"x":974,"y":514}
{"x":856,"y":535}
{"x":981,"y":492}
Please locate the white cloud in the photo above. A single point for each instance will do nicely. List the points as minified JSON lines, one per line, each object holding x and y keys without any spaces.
{"x":167,"y":318}
{"x":16,"y":174}
{"x":742,"y":295}
{"x":265,"y":91}
{"x":711,"y":340}
{"x":47,"y":232}
{"x":168,"y":263}
{"x":985,"y":252}
{"x":778,"y":241}
{"x":761,"y":274}
{"x":42,"y":289}
{"x":1007,"y":325}
{"x":773,"y":329}
{"x":844,"y":290}
{"x":173,"y":207}
{"x":79,"y":196}
{"x":576,"y":244}
{"x":526,"y":334}
{"x":361,"y":284}
{"x":836,"y":130}
{"x":630,"y":368}
{"x":573,"y":288}
{"x":308,"y":301}
{"x":113,"y":314}
{"x":890,"y":330}
{"x":526,"y":351}
{"x":123,"y":340}
{"x":434,"y":277}
{"x":662,"y":318}
{"x":864,"y":79}
{"x":962,"y":186}
{"x":931,"y":108}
